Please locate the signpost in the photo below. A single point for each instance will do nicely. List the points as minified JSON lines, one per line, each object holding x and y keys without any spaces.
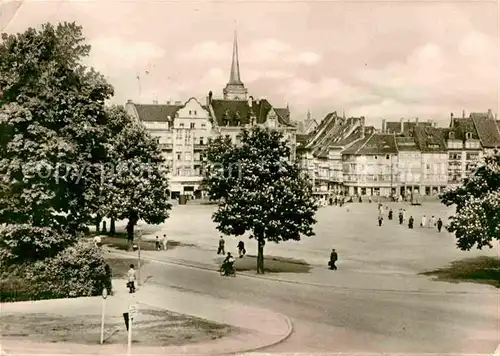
{"x":104,"y":296}
{"x":139,"y":235}
{"x":132,"y":313}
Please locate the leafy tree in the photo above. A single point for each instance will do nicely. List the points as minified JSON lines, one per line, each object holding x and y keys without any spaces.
{"x":259,"y":190}
{"x":134,"y":184}
{"x":477,"y":200}
{"x":51,"y":111}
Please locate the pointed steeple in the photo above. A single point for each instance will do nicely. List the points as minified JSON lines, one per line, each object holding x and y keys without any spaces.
{"x":235,"y":64}
{"x":235,"y":89}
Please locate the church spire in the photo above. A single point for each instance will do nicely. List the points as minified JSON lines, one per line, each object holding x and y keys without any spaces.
{"x":235,"y":64}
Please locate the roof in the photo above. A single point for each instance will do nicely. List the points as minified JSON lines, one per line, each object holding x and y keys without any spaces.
{"x":375,"y":144}
{"x":156,"y":112}
{"x":284,"y":114}
{"x":487,"y":129}
{"x":408,"y":126}
{"x":460,"y":126}
{"x":302,"y":138}
{"x":407,"y":143}
{"x":232,"y":111}
{"x":430,"y":139}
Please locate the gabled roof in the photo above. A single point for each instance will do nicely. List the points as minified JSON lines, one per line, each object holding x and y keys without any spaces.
{"x":487,"y":129}
{"x":375,"y":144}
{"x":156,"y":112}
{"x":283,"y":114}
{"x":430,"y":139}
{"x":232,"y":111}
{"x":460,"y":126}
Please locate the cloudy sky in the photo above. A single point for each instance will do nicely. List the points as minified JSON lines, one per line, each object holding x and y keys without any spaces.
{"x":380,"y":59}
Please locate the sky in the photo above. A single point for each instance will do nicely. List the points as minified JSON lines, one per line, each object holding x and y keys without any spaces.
{"x":378,"y":59}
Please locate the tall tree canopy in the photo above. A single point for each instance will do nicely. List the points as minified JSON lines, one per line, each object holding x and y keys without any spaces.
{"x":58,"y":138}
{"x":259,"y":190}
{"x":477,"y":218}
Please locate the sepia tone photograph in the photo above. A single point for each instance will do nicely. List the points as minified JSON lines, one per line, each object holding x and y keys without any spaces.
{"x":256,"y":177}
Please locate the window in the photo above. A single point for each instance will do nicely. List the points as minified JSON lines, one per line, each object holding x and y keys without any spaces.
{"x":157,"y":139}
{"x":201,"y":140}
{"x":179,"y":155}
{"x":468,"y":135}
{"x":188,"y":156}
{"x":195,"y":113}
{"x":192,"y":125}
{"x":203,"y":126}
{"x":181,"y":125}
{"x":387,"y":157}
{"x":178,"y":135}
{"x":189,"y":112}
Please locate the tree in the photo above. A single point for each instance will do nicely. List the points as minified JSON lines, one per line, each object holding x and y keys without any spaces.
{"x":134,"y":185}
{"x":477,"y":200}
{"x":259,"y":190}
{"x":51,"y":111}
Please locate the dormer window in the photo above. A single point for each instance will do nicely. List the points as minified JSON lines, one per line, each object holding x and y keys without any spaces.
{"x":468,"y":135}
{"x":451,"y":135}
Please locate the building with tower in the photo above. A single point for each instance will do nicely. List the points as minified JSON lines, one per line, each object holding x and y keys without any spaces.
{"x":183,"y":128}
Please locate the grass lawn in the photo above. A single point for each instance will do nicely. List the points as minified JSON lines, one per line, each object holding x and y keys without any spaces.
{"x":120,"y":266}
{"x":119,"y":241}
{"x":272,"y":264}
{"x":485,"y":270}
{"x":154,"y":327}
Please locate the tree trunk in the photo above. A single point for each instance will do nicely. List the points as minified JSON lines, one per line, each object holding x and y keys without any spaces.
{"x":98,"y":224}
{"x":112,"y":227}
{"x":260,"y":255}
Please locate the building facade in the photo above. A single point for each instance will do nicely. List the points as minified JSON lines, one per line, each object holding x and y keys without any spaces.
{"x":183,"y":129}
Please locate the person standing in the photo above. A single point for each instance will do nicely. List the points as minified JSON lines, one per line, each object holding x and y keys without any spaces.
{"x":97,"y":241}
{"x":165,"y":242}
{"x":221,"y":250}
{"x":131,"y":279}
{"x":157,"y":244}
{"x":423,"y":222}
{"x":410,"y":222}
{"x":333,"y":259}
{"x":401,"y":217}
{"x":241,"y":249}
{"x":380,"y":219}
{"x":432,"y":222}
{"x":439,"y":224}
{"x":390,"y":214}
{"x":404,"y":215}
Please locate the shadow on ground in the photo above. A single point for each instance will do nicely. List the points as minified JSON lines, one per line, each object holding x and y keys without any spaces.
{"x":272,"y":264}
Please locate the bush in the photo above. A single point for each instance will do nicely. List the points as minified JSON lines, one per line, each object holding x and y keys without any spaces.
{"x":22,"y":243}
{"x":79,"y":270}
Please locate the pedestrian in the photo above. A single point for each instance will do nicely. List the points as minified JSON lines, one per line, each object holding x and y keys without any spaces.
{"x":401,"y":218}
{"x":423,"y":222}
{"x":157,"y":244}
{"x":221,"y":250}
{"x":165,"y":242}
{"x":333,"y":259}
{"x":410,"y":222}
{"x":241,"y":249}
{"x":380,"y":219}
{"x":390,"y":214}
{"x":131,"y":279}
{"x":439,"y":224}
{"x":404,"y":215}
{"x":432,"y":222}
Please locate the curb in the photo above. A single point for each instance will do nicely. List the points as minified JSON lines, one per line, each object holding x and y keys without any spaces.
{"x":205,"y":267}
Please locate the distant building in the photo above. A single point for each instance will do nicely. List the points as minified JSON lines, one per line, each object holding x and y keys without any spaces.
{"x":183,"y":129}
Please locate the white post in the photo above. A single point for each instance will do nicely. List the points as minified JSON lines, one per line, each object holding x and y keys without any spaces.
{"x":102,"y":320}
{"x":104,"y":296}
{"x":139,"y":233}
{"x":129,"y":344}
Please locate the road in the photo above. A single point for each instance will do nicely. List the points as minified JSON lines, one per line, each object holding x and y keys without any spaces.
{"x":329,"y":320}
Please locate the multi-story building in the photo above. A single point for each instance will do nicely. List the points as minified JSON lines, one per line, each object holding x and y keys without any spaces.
{"x":183,"y":129}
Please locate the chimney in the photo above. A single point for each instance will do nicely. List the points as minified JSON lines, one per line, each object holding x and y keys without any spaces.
{"x":210,"y":95}
{"x":362,"y":121}
{"x":463,"y":114}
{"x":130,"y":101}
{"x":490,"y":114}
{"x":452,"y":121}
{"x":401,"y":121}
{"x":383,"y":125}
{"x":169,"y":102}
{"x":250,"y":101}
{"x":416,"y":120}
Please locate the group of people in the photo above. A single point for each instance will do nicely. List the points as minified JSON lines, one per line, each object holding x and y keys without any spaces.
{"x":402,"y":216}
{"x":221,"y":250}
{"x":163,"y":243}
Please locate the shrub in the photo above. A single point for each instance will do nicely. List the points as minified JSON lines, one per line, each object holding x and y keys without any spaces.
{"x":21,"y":243}
{"x":79,"y":270}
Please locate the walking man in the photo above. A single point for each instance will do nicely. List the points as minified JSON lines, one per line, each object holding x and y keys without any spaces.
{"x":404,"y":215}
{"x":439,"y":224}
{"x":241,"y":249}
{"x":333,"y":259}
{"x":221,"y":250}
{"x":432,"y":222}
{"x":131,"y":279}
{"x":157,"y":244}
{"x":410,"y":222}
{"x":380,"y":219}
{"x":401,"y":217}
{"x":165,"y":242}
{"x":423,"y":222}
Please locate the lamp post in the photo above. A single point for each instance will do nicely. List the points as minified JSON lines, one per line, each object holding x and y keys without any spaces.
{"x":139,"y":235}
